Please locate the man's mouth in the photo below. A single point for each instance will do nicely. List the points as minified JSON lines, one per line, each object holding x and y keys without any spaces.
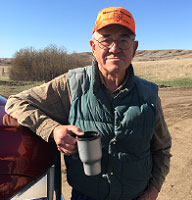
{"x":113,"y":58}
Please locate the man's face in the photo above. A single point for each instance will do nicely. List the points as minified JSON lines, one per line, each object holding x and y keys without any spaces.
{"x":113,"y":60}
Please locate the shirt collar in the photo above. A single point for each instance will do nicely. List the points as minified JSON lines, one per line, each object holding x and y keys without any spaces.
{"x":98,"y":81}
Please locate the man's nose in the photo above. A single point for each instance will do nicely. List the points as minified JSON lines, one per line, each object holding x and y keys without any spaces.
{"x":114,"y":47}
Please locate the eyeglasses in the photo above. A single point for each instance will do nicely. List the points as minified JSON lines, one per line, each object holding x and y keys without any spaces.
{"x":123,"y":42}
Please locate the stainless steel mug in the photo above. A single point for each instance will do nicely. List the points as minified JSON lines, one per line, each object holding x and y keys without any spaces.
{"x":90,"y":153}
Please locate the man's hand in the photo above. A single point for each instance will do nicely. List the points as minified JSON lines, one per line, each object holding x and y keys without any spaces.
{"x":65,"y":140}
{"x":150,"y":194}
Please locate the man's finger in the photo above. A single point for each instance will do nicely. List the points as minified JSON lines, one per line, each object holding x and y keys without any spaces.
{"x":75,"y":130}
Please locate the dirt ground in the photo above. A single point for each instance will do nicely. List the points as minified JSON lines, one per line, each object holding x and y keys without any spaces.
{"x":177,"y":106}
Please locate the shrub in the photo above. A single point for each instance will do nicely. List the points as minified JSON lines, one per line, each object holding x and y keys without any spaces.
{"x":31,"y":65}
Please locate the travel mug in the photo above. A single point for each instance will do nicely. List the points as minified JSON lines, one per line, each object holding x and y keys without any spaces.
{"x":90,"y":153}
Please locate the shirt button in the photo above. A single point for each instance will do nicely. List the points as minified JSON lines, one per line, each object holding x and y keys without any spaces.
{"x":111,"y":173}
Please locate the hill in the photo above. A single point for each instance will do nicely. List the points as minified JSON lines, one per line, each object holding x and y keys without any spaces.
{"x":5,"y":61}
{"x":151,"y":55}
{"x":169,"y":54}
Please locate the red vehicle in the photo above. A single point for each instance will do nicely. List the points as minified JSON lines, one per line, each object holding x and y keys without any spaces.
{"x":26,"y":161}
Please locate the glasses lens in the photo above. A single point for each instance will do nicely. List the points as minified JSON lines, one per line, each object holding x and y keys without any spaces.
{"x":124,"y":43}
{"x":105,"y":42}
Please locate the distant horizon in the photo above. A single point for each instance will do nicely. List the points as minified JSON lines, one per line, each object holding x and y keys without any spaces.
{"x":91,"y":52}
{"x":137,"y":50}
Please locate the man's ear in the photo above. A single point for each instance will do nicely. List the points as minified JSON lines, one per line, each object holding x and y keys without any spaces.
{"x":92,"y":43}
{"x":135,"y":45}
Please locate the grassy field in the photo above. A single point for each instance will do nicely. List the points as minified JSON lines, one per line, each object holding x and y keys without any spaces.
{"x":8,"y":87}
{"x":174,"y":73}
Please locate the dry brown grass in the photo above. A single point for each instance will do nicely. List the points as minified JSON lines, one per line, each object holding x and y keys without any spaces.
{"x":165,"y":70}
{"x":8,"y":87}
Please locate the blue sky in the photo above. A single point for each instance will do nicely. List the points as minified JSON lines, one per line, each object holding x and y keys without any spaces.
{"x":160,"y":24}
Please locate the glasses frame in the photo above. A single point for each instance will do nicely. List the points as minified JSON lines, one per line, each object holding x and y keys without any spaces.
{"x":102,"y":46}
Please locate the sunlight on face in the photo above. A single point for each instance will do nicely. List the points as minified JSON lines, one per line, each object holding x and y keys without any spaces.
{"x":113,"y":60}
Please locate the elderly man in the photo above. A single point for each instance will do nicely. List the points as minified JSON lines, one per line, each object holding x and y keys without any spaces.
{"x":108,"y":98}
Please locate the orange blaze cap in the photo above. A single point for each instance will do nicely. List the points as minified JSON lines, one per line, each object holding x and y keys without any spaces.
{"x":114,"y":15}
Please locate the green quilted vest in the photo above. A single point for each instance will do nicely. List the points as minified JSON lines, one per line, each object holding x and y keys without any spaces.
{"x":126,"y":126}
